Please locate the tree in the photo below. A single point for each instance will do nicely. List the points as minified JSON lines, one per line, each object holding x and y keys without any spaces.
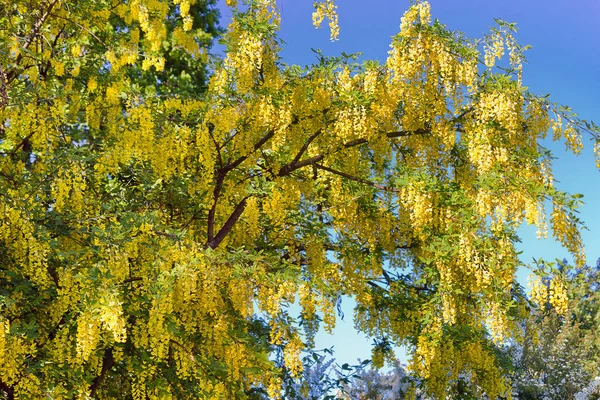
{"x":155,"y":229}
{"x":321,"y":378}
{"x":394,"y":385}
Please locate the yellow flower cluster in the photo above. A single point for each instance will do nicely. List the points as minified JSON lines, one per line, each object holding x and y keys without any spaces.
{"x":110,"y":314}
{"x":417,"y":199}
{"x":565,"y":230}
{"x":557,"y":296}
{"x":88,"y":336}
{"x":427,"y":350}
{"x":449,"y":309}
{"x":187,"y":41}
{"x":539,"y":291}
{"x":493,"y":49}
{"x":418,"y":13}
{"x":69,"y":189}
{"x":351,"y":123}
{"x":555,"y":293}
{"x":327,"y":9}
{"x":29,"y":253}
{"x":497,"y":321}
{"x":291,"y":355}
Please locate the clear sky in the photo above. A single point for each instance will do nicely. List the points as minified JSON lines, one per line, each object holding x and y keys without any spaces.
{"x":564,"y":61}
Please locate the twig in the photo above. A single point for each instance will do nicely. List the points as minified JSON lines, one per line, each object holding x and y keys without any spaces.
{"x":34,"y":33}
{"x":82,"y":27}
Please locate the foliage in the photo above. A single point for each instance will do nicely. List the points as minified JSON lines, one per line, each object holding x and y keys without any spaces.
{"x":155,"y":228}
{"x":396,"y":384}
{"x":372,"y":384}
{"x":321,"y":378}
{"x":399,"y":384}
{"x":558,"y":357}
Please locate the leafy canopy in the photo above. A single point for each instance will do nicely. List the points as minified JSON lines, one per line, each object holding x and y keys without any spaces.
{"x":558,"y":357}
{"x":156,"y":225}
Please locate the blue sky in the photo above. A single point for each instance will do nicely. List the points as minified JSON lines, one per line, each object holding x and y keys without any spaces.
{"x":564,"y":61}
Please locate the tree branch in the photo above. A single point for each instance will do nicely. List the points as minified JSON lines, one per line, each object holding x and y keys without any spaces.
{"x":305,"y":145}
{"x":34,"y":33}
{"x":390,"y":135}
{"x":233,"y":218}
{"x":210,"y":228}
{"x":374,"y":283}
{"x":182,"y":347}
{"x":211,"y":129}
{"x":357,"y":179}
{"x":3,"y":91}
{"x":132,"y":279}
{"x":295,"y":164}
{"x":214,"y":241}
{"x":9,"y":390}
{"x":268,"y":136}
{"x":24,"y":144}
{"x":44,"y":72}
{"x":256,"y":146}
{"x":171,"y":236}
{"x":107,"y":362}
{"x":420,"y":131}
{"x":376,"y":286}
{"x":291,"y":167}
{"x":80,"y":26}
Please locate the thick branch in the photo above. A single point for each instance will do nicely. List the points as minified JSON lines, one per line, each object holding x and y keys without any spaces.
{"x":24,"y":143}
{"x":305,"y":145}
{"x":291,"y":167}
{"x":8,"y":390}
{"x":3,"y":91}
{"x":171,"y":236}
{"x":376,"y":286}
{"x":295,"y":164}
{"x":267,"y":137}
{"x":256,"y":146}
{"x":420,"y":131}
{"x":356,"y":178}
{"x":182,"y":347}
{"x":211,"y":130}
{"x":214,"y":241}
{"x":233,"y":218}
{"x":213,"y":209}
{"x":420,"y":288}
{"x":107,"y":362}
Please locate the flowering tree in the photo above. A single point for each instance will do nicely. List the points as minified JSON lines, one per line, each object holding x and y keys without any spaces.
{"x":155,"y":229}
